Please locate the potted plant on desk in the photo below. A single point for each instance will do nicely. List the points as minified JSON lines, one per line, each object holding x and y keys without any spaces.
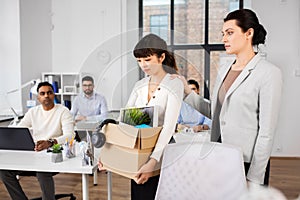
{"x":56,"y":153}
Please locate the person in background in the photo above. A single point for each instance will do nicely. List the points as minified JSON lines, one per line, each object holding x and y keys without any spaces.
{"x":191,"y":97}
{"x":194,"y":85}
{"x":157,"y":89}
{"x":51,"y":124}
{"x":246,"y":96}
{"x":189,"y":117}
{"x":89,"y":105}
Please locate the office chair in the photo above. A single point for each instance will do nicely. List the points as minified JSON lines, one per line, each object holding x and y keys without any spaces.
{"x":201,"y":170}
{"x":57,"y":196}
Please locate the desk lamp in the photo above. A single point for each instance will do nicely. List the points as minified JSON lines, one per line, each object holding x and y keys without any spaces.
{"x":33,"y":90}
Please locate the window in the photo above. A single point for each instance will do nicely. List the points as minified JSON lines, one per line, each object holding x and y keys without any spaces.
{"x":159,"y":25}
{"x":192,"y":29}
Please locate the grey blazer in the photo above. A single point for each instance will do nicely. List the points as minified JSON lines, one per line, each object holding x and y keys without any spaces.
{"x":248,"y":116}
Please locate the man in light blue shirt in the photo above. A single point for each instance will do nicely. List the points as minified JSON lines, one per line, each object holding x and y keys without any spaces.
{"x":89,"y":105}
{"x":190,"y":117}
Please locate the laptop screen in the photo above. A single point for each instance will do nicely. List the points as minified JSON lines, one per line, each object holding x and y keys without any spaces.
{"x":16,"y":138}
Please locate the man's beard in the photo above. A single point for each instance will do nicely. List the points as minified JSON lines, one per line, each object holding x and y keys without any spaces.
{"x":88,"y":92}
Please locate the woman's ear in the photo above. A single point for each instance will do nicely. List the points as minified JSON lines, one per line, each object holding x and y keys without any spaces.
{"x":162,"y":57}
{"x":250,"y":33}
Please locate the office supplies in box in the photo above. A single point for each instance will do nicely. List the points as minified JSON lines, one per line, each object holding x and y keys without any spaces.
{"x":127,"y":148}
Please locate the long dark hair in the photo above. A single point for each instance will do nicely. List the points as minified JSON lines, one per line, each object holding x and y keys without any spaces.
{"x":151,"y":45}
{"x":246,"y":19}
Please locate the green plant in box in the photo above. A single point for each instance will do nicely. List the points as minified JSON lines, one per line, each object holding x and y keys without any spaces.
{"x":136,"y":116}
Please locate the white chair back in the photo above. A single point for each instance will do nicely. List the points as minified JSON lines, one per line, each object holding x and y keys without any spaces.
{"x":201,"y":170}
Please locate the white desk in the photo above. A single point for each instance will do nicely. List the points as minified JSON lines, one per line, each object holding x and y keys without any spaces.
{"x":6,"y":117}
{"x":88,"y":129}
{"x":93,"y":149}
{"x":41,"y":161}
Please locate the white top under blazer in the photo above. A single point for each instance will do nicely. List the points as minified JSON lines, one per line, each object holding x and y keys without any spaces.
{"x":167,"y":97}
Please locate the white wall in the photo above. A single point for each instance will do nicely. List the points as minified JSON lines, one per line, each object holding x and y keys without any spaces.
{"x":35,"y":26}
{"x":25,"y":47}
{"x":281,"y":21}
{"x":90,"y":37}
{"x":10,"y":61}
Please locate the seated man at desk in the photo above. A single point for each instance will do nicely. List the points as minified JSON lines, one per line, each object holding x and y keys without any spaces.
{"x":89,"y":105}
{"x":51,"y":123}
{"x":190,"y":117}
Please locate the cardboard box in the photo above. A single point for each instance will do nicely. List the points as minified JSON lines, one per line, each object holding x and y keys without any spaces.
{"x":127,"y":148}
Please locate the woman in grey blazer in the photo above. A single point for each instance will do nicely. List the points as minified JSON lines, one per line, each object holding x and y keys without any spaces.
{"x":246,"y":96}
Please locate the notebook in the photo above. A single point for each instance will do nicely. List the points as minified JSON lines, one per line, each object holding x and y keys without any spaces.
{"x":16,"y":138}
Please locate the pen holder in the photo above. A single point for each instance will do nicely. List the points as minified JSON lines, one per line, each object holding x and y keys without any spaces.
{"x":86,"y":154}
{"x":87,"y":159}
{"x":70,"y":150}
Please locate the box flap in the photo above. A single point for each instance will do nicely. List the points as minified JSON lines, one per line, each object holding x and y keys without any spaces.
{"x":149,"y":137}
{"x":121,"y":134}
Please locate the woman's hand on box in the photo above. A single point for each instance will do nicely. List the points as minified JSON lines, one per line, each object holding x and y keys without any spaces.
{"x":146,"y":171}
{"x":100,"y":166}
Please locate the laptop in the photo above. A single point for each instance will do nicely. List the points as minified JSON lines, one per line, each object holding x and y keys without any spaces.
{"x":16,"y":138}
